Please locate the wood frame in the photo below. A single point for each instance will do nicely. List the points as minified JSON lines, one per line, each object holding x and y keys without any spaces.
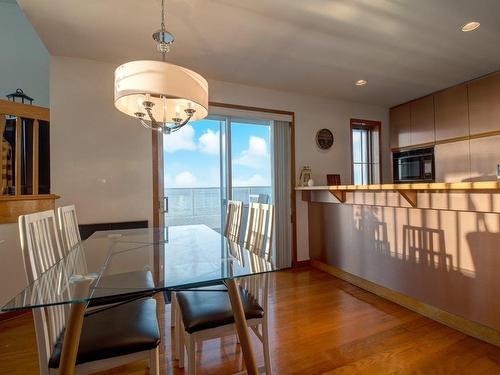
{"x":11,"y":206}
{"x":371,"y":125}
{"x":156,"y":147}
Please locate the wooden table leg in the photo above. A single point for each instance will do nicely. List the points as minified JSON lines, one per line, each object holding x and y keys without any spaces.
{"x":241,"y":327}
{"x":74,"y":325}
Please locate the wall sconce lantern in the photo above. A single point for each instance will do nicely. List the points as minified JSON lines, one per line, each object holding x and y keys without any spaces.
{"x":20,"y":97}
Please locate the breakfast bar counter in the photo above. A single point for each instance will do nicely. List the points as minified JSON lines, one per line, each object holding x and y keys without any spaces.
{"x":432,"y":247}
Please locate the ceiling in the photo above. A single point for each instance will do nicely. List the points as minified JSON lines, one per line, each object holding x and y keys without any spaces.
{"x":403,"y":48}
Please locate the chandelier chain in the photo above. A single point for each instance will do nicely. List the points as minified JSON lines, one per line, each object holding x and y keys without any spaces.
{"x":163,"y":14}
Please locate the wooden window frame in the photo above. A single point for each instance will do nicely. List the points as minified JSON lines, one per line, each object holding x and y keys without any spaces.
{"x":371,"y":125}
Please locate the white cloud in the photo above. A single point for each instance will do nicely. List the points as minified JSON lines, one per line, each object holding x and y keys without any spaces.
{"x":255,"y":180}
{"x":185,"y":179}
{"x":256,"y":156}
{"x":209,"y":142}
{"x":180,"y":140}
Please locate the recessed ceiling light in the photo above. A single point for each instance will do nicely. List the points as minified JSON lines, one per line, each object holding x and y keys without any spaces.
{"x":470,"y":26}
{"x":360,"y":82}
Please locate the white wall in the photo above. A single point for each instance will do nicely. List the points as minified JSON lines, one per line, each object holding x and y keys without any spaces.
{"x":311,"y":114}
{"x":24,"y":60}
{"x":100,"y":158}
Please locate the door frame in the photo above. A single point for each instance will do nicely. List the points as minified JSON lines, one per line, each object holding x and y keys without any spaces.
{"x":157,"y":147}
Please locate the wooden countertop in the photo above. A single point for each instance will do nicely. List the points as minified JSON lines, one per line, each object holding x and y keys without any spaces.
{"x":435,"y":186}
{"x":407,"y":191}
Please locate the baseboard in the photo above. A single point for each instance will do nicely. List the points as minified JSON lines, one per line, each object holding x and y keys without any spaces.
{"x":302,"y":263}
{"x":459,"y":323}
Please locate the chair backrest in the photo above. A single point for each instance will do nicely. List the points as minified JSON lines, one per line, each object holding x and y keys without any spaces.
{"x":68,"y":227}
{"x":259,"y":229}
{"x":258,"y":287}
{"x":234,"y":219}
{"x":41,"y":251}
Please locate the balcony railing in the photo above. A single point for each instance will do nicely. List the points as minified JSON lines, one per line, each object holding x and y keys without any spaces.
{"x":203,"y":205}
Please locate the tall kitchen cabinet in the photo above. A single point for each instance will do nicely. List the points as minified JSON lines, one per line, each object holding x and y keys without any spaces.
{"x":484,"y":104}
{"x":452,"y":159}
{"x":451,"y":113}
{"x":463,"y":122}
{"x":400,"y":126}
{"x":412,"y":123}
{"x":484,"y":114}
{"x":422,"y":120}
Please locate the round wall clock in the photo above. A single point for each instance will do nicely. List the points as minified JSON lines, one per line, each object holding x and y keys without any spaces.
{"x":324,"y":139}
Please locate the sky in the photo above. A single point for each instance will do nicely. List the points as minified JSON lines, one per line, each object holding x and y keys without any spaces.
{"x":192,"y":156}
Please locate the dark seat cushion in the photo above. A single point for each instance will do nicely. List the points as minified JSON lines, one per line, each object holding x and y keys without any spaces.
{"x":125,"y":285}
{"x":204,"y":310}
{"x":120,"y":330}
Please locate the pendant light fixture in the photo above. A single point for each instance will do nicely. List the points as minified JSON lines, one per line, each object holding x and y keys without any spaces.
{"x":162,"y":96}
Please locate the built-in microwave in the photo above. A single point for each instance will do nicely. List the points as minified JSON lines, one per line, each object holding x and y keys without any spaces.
{"x":413,"y":165}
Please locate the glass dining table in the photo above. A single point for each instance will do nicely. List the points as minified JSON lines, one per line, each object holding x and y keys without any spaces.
{"x":177,"y":258}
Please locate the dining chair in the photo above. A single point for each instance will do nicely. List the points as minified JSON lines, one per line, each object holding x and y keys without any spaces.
{"x":234,"y":218}
{"x":259,"y":229}
{"x":208,"y":315}
{"x":232,"y":231}
{"x":68,"y":226}
{"x":110,"y":338}
{"x":70,"y":235}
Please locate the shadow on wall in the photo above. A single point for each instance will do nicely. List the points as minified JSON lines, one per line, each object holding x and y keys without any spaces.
{"x":383,"y":245}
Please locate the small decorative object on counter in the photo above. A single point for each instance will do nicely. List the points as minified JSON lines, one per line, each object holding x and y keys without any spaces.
{"x":305,"y":176}
{"x":19,"y":97}
{"x":324,"y":139}
{"x":310,"y":182}
{"x":332,"y":179}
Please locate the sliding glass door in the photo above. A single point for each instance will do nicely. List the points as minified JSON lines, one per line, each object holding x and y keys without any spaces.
{"x":208,"y":162}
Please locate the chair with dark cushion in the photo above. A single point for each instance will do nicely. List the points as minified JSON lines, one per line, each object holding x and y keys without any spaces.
{"x":111,"y":336}
{"x":120,"y":334}
{"x":204,"y":315}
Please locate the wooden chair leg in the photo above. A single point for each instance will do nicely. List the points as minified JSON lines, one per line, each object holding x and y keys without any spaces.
{"x":173,"y":301}
{"x":267,"y":349}
{"x":181,"y":344}
{"x":178,"y":335}
{"x":154,"y":361}
{"x":191,"y":352}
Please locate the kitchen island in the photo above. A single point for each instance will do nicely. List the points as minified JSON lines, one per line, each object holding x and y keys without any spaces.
{"x":432,"y":247}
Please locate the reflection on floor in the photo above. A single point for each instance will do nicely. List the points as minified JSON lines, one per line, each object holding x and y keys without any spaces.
{"x":319,"y":324}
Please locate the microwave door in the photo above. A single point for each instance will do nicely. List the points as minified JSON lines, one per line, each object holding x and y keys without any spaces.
{"x":409,"y":169}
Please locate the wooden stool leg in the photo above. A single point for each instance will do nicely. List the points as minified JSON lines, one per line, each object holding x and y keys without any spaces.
{"x":241,"y":327}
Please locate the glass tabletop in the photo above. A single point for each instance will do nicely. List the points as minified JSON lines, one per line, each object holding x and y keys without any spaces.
{"x":137,"y":262}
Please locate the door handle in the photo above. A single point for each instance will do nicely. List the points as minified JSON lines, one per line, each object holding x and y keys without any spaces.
{"x":165,"y":205}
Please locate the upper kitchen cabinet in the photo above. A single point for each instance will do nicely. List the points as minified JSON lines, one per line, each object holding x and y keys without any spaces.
{"x":422,"y":120}
{"x":451,"y":113}
{"x":400,"y":126}
{"x":484,"y":104}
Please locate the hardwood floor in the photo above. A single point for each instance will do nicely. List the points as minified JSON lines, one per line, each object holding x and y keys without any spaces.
{"x":319,"y":324}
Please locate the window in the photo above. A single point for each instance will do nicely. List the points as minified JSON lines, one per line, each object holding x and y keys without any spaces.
{"x":212,"y":160}
{"x":365,"y":145}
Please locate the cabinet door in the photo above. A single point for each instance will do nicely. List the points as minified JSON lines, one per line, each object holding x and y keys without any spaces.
{"x":484,"y":104}
{"x":451,"y":113}
{"x":484,"y":157}
{"x":400,"y":126}
{"x":452,"y":161}
{"x":422,"y":120}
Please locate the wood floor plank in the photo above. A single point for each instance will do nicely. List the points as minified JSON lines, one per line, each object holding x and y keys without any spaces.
{"x":318,"y":324}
